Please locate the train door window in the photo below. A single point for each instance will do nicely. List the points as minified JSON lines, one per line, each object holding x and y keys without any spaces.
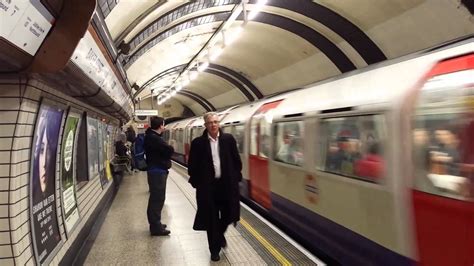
{"x":166,"y":135}
{"x":227,"y":129}
{"x":438,"y":154}
{"x":239,"y":137}
{"x":193,"y":133}
{"x":353,"y":146}
{"x":288,"y":142}
{"x":443,"y":144}
{"x":179,"y":140}
{"x":254,"y":128}
{"x":265,"y":140}
{"x":198,"y":131}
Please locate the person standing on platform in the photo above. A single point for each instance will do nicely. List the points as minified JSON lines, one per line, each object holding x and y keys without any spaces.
{"x":131,"y":137}
{"x":214,"y":169}
{"x":158,"y":158}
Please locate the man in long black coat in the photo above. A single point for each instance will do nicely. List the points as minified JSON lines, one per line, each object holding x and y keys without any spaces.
{"x":214,"y":169}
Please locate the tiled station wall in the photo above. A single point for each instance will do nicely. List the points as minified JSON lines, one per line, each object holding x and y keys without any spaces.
{"x":19,"y":104}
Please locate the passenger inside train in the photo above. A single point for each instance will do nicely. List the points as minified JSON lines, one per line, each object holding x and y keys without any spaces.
{"x":355,"y":147}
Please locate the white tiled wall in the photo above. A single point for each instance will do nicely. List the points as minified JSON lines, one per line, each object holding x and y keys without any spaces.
{"x":19,"y":104}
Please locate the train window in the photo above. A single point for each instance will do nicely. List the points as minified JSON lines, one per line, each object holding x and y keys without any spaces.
{"x":239,"y":137}
{"x":166,"y":135}
{"x":253,"y":136}
{"x":352,"y":146}
{"x":442,"y":154}
{"x":288,"y":142}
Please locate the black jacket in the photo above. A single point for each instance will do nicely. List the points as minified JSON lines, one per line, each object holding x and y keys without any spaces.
{"x":158,"y":152}
{"x":131,"y":136}
{"x":201,"y":173}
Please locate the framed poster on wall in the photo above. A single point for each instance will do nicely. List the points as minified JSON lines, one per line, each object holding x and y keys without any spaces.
{"x":43,"y":217}
{"x":68,"y":163}
{"x":93,"y":147}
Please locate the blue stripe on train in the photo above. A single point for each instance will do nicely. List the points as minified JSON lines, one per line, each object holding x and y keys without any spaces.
{"x":336,"y":241}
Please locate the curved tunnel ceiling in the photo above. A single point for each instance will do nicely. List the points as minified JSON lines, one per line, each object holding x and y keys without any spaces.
{"x":289,"y":44}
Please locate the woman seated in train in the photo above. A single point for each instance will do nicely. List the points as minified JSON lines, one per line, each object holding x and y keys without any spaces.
{"x":372,"y":165}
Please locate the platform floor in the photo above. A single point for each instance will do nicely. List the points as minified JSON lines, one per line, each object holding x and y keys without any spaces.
{"x":123,"y":237}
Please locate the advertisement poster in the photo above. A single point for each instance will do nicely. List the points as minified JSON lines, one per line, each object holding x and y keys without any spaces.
{"x":43,"y":212}
{"x":102,"y":158}
{"x":71,"y":214}
{"x":93,"y":147}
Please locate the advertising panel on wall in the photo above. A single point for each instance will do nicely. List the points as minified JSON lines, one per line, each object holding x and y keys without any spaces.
{"x":93,"y":147}
{"x":68,"y":159}
{"x":43,"y":219}
{"x":102,"y":149}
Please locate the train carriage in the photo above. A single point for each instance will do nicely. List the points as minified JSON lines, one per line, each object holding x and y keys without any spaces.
{"x":340,"y":163}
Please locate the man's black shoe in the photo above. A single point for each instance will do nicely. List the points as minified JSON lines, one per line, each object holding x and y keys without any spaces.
{"x":163,"y":226}
{"x":215,"y":257}
{"x":162,"y":232}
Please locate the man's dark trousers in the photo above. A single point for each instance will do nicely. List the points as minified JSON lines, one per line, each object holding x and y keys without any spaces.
{"x":218,"y":226}
{"x":157,"y":186}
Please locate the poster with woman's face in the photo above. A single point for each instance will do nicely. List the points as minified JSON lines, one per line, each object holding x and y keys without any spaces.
{"x":93,"y":147}
{"x":43,"y":199}
{"x":71,"y":214}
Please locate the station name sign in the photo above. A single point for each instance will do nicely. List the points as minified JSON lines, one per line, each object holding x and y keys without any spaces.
{"x":146,"y":112}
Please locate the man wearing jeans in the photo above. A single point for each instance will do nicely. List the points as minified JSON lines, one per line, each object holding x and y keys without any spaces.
{"x":158,"y":158}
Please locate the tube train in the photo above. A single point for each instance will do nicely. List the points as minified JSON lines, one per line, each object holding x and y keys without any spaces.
{"x":372,"y":167}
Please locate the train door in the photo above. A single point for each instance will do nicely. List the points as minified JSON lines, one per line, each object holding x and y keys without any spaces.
{"x":187,"y":140}
{"x":260,"y":125}
{"x":443,"y":157}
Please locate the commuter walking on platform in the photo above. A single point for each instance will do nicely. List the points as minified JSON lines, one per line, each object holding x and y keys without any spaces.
{"x":158,"y":158}
{"x":214,"y":169}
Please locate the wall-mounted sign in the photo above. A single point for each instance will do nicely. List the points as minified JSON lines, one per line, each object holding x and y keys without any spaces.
{"x":146,"y":112}
{"x":90,"y":59}
{"x":24,"y":23}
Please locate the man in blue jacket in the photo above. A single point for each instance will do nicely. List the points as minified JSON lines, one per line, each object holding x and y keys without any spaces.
{"x":158,"y":158}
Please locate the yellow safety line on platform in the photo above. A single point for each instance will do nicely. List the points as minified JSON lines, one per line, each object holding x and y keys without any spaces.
{"x":265,"y":243}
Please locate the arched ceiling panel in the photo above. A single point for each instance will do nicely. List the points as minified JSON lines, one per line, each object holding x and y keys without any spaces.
{"x":333,"y":36}
{"x":124,"y":13}
{"x":258,"y":57}
{"x":189,"y":102}
{"x":174,"y":50}
{"x":402,"y":27}
{"x":168,"y":6}
{"x":172,"y":19}
{"x":208,"y":85}
{"x":227,"y":99}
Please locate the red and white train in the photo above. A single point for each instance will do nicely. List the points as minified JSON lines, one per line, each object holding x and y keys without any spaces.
{"x":372,"y":167}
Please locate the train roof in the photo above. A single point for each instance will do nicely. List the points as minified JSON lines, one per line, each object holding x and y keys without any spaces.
{"x":384,"y":85}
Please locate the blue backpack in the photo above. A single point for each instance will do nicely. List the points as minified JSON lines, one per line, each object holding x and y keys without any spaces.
{"x":139,"y":153}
